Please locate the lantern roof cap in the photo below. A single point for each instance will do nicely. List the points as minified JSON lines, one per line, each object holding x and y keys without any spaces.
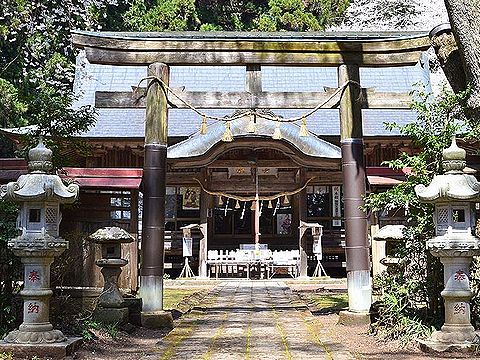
{"x":454,"y":185}
{"x":111,"y":234}
{"x":40,"y":158}
{"x":38,"y":185}
{"x":453,"y":158}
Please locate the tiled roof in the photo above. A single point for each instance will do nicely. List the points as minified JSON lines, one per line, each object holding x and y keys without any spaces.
{"x":130,"y":122}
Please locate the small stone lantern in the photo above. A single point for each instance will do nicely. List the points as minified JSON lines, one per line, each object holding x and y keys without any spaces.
{"x":39,"y":195}
{"x":111,"y":307}
{"x":454,"y":195}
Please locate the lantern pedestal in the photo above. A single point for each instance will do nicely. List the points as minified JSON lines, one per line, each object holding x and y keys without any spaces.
{"x":457,"y":333}
{"x":36,"y":327}
{"x":111,"y":307}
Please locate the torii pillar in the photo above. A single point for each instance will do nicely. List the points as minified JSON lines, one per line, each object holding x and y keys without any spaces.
{"x":353,"y":169}
{"x":153,"y":221}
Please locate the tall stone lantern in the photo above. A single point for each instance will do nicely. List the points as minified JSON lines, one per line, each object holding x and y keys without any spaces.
{"x":39,"y":194}
{"x":454,"y":194}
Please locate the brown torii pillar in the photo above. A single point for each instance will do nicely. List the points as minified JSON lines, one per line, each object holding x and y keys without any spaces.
{"x":353,"y":169}
{"x":153,"y":222}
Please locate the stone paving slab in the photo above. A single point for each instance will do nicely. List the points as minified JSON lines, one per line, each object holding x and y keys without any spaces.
{"x":249,"y":320}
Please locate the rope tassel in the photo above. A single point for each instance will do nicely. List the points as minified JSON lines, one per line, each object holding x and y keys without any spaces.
{"x":277,"y":134}
{"x":251,"y":127}
{"x":203,"y":127}
{"x":303,"y":128}
{"x":227,"y":135}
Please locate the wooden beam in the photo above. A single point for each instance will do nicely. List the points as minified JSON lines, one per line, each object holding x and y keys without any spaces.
{"x":253,"y":79}
{"x":221,"y":57}
{"x":259,"y":41}
{"x":197,"y":48}
{"x":260,"y":163}
{"x":371,"y":99}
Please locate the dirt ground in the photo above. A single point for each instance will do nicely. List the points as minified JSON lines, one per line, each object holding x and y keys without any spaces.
{"x":361,"y":345}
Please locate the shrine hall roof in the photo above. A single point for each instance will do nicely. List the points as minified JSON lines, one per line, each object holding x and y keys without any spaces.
{"x":129,"y":123}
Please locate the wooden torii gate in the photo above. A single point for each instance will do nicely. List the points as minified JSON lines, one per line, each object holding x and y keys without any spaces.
{"x":345,"y":51}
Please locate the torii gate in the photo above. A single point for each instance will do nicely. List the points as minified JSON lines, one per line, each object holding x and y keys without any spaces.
{"x":347,"y":51}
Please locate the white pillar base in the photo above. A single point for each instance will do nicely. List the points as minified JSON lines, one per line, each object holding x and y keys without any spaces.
{"x":151,"y":293}
{"x":359,"y":291}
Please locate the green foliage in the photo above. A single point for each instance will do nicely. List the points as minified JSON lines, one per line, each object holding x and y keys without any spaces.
{"x":10,"y":267}
{"x":237,"y":15}
{"x":6,"y":356}
{"x":411,"y":302}
{"x":171,"y":15}
{"x":37,"y":66}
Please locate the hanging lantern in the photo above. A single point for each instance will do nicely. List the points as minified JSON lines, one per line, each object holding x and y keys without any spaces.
{"x":270,"y":206}
{"x":277,"y":135}
{"x":253,"y":206}
{"x":237,"y":205}
{"x":303,"y":128}
{"x":227,"y":135}
{"x":203,"y":127}
{"x":286,"y":201}
{"x":220,"y":201}
{"x":251,"y":127}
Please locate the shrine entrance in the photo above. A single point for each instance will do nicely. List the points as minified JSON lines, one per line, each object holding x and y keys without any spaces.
{"x":347,"y":52}
{"x":255,"y":191}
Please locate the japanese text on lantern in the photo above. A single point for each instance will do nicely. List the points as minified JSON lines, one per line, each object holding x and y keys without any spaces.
{"x":459,"y":308}
{"x":459,"y":276}
{"x":33,"y":276}
{"x":33,"y":308}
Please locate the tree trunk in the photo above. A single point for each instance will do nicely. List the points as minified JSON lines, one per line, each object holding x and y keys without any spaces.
{"x":464,"y":18}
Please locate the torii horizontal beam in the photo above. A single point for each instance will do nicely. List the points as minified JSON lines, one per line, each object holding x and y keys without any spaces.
{"x":371,"y":99}
{"x":220,"y":48}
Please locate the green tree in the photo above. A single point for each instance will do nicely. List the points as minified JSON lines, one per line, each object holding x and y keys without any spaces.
{"x":37,"y":67}
{"x":236,"y":15}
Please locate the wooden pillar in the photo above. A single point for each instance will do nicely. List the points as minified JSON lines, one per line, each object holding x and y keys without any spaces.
{"x":353,"y":169}
{"x":302,"y":240}
{"x":154,"y":180}
{"x":205,"y":204}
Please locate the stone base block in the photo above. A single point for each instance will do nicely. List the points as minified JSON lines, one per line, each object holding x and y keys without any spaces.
{"x":157,"y":320}
{"x":134,"y":310}
{"x":111,"y":315}
{"x":42,"y":351}
{"x":354,"y":318}
{"x":444,"y":341}
{"x":303,"y":278}
{"x":432,"y":346}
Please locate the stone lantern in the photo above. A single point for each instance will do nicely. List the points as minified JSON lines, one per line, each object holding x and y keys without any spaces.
{"x":454,"y":195}
{"x":111,"y":307}
{"x":39,"y":194}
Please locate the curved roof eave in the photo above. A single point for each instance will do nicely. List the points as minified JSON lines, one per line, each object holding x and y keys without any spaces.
{"x":199,"y":145}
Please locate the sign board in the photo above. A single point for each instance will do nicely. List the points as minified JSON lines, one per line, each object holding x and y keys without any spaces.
{"x":317,"y":246}
{"x":336,"y":205}
{"x":187,"y":246}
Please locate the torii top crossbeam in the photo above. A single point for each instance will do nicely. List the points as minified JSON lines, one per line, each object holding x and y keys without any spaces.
{"x":237,"y":48}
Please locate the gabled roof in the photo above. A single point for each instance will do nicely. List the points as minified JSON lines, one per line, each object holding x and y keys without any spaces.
{"x":198,"y":145}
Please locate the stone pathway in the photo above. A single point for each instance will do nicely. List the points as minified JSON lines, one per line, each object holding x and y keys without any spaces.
{"x":249,"y":320}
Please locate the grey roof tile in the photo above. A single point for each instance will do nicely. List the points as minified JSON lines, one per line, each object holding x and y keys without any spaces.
{"x":182,"y":122}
